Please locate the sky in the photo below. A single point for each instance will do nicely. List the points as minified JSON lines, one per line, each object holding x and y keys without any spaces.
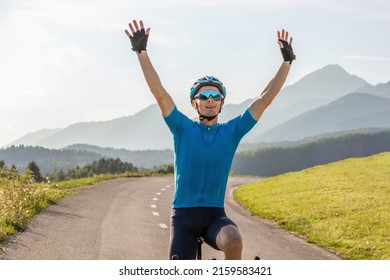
{"x":65,"y":61}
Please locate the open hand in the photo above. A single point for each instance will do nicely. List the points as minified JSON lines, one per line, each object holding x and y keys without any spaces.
{"x":285,"y":46}
{"x":138,"y":36}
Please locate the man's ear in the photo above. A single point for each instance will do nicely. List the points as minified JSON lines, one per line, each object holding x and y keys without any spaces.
{"x":221,"y":105}
{"x":193,"y":103}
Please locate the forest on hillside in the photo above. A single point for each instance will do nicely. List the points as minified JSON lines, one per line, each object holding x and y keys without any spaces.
{"x":278,"y":160}
{"x":47,"y":159}
{"x":257,"y":159}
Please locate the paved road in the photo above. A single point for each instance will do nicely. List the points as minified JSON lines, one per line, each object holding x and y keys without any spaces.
{"x":128,"y":218}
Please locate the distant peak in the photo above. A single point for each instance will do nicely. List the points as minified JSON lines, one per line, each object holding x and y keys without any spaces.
{"x":332,"y":72}
{"x":333,"y":68}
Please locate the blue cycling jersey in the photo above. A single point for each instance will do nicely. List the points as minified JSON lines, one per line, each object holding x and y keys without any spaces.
{"x":203,"y":157}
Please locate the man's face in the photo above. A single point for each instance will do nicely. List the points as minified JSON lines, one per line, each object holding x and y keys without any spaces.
{"x":208,"y":107}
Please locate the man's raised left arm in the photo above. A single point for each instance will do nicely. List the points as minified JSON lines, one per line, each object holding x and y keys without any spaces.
{"x":275,"y":85}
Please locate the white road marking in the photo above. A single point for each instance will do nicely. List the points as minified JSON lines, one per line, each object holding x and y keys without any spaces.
{"x":168,"y":186}
{"x":158,"y":193}
{"x":153,"y":206}
{"x":163,"y":225}
{"x":155,"y":198}
{"x":156,"y":214}
{"x":163,"y":189}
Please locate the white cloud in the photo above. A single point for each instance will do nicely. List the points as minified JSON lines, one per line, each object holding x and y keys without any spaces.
{"x":364,"y":58}
{"x":162,"y":40}
{"x":361,"y":10}
{"x":69,"y":58}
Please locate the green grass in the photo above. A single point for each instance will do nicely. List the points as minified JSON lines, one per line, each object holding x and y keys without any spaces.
{"x":76,"y":185}
{"x":343,"y":206}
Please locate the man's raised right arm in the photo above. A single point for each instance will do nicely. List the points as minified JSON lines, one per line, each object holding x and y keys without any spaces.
{"x":164,"y":100}
{"x":138,"y":37}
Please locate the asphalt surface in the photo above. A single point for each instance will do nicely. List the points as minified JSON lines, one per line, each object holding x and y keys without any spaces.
{"x":129,"y":218}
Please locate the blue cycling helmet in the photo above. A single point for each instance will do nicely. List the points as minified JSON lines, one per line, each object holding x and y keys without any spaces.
{"x":207,"y":81}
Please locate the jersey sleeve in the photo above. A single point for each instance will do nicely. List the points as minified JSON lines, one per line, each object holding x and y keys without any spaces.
{"x":175,"y":120}
{"x":243,"y":124}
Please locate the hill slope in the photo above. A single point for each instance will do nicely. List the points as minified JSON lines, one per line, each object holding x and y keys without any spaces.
{"x":343,"y":206}
{"x":355,"y":110}
{"x":294,"y":156}
{"x":316,"y":89}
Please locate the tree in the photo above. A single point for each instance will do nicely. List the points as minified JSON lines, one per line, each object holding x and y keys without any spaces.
{"x":33,"y":167}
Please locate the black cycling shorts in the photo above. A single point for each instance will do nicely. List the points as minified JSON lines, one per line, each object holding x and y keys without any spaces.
{"x":187,"y":224}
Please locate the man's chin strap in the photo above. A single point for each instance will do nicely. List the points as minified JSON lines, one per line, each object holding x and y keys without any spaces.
{"x":203,"y":117}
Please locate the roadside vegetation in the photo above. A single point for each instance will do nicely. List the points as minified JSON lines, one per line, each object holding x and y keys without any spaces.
{"x":22,"y":196}
{"x":343,"y":206}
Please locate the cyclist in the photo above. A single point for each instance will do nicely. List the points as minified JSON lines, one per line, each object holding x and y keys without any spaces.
{"x":204,"y":151}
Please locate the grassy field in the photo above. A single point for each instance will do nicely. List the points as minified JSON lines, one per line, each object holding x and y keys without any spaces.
{"x":343,"y":206}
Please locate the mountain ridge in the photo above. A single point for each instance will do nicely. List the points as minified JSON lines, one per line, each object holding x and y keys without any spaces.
{"x":334,"y":118}
{"x":146,"y":129}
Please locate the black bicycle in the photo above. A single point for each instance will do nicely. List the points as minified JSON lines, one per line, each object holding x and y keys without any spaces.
{"x":199,"y":242}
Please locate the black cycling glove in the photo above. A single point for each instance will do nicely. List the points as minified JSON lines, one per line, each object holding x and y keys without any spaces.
{"x":287,"y":51}
{"x":139,"y":40}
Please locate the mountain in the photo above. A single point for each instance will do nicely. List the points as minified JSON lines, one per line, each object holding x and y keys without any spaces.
{"x":326,"y":84}
{"x":353,"y":111}
{"x":248,"y":147}
{"x":230,"y":111}
{"x":312,"y":91}
{"x":141,"y":159}
{"x":271,"y":161}
{"x":141,"y":131}
{"x":48,"y":160}
{"x":147,"y":129}
{"x":380,"y":89}
{"x":34,"y":137}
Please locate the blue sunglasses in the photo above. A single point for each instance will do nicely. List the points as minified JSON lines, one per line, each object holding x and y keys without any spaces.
{"x":205,"y":95}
